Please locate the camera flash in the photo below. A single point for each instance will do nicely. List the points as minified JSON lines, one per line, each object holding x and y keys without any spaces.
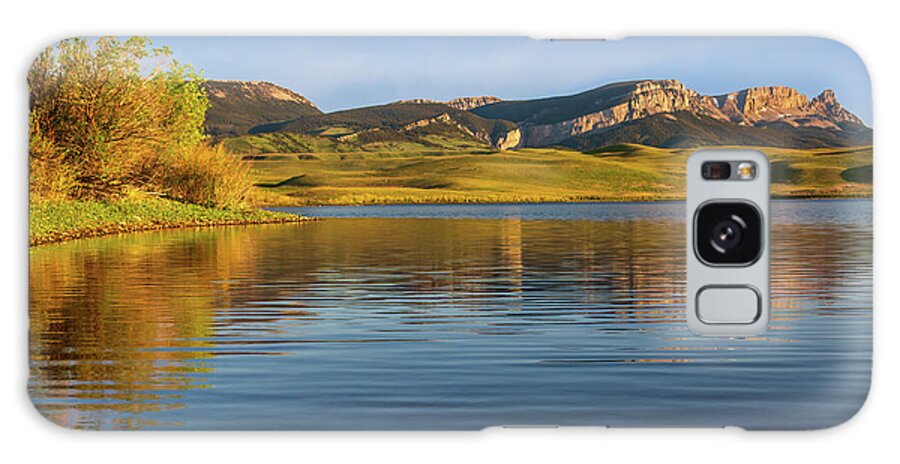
{"x":746,"y":170}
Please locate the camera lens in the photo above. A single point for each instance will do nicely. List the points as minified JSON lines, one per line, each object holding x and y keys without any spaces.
{"x":728,"y":233}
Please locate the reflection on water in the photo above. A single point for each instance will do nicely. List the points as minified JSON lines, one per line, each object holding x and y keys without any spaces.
{"x":505,"y":314}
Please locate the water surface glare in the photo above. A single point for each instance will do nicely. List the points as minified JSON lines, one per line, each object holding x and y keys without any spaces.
{"x":445,"y":317}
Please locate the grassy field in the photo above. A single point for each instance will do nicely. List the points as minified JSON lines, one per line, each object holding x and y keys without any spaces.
{"x":327,"y":172}
{"x":54,"y":221}
{"x":445,"y":171}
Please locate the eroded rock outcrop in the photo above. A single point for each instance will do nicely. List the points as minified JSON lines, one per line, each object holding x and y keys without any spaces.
{"x":507,"y":140}
{"x":461,"y":103}
{"x":470,"y":103}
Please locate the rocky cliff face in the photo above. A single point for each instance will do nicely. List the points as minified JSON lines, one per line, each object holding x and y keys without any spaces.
{"x":550,"y":121}
{"x":645,"y":99}
{"x":761,"y":105}
{"x":753,"y":105}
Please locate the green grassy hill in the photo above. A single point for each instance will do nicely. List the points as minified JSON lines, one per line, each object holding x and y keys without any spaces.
{"x":293,"y":169}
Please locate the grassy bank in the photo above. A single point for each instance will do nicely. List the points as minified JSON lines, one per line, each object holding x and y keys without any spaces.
{"x":55,"y":221}
{"x":617,"y":173}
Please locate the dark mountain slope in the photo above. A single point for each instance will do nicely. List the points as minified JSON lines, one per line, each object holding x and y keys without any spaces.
{"x":557,"y":109}
{"x":685,"y":129}
{"x":237,"y":106}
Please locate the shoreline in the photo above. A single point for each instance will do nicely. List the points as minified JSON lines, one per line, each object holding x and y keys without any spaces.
{"x":124,"y":229}
{"x":65,"y":220}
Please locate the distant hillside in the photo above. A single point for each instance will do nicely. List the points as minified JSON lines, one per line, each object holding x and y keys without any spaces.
{"x":399,"y":122}
{"x":612,"y":114}
{"x":237,"y":106}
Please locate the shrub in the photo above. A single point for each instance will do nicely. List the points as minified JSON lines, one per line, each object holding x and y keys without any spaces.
{"x":206,"y":175}
{"x":106,"y":114}
{"x":48,"y":178}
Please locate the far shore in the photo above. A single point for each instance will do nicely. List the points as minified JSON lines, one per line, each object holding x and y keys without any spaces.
{"x":425,"y":201}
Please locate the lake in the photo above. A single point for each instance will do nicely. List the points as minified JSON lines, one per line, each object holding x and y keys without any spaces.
{"x":445,"y":317}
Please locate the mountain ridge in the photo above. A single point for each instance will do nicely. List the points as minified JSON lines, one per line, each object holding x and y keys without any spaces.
{"x":661,"y":112}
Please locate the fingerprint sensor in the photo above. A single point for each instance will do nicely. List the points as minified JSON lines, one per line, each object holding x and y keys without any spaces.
{"x":725,"y":304}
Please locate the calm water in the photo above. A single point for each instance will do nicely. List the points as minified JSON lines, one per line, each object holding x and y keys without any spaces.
{"x":445,"y":317}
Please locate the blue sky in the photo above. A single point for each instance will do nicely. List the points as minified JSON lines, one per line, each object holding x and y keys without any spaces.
{"x":343,"y":72}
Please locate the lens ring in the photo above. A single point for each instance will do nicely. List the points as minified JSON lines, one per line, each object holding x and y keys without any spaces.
{"x":728,"y":233}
